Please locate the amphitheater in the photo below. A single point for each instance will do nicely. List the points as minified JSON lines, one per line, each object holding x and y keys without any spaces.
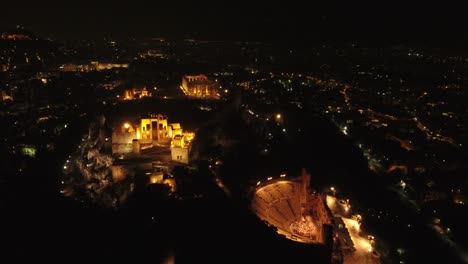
{"x":293,"y":208}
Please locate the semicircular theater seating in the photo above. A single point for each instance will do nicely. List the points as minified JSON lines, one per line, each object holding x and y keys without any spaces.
{"x":278,"y":204}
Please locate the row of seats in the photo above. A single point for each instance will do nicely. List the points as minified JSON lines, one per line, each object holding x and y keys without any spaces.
{"x":278,"y":204}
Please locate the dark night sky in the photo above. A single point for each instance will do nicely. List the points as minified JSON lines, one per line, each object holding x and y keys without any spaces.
{"x":237,"y":20}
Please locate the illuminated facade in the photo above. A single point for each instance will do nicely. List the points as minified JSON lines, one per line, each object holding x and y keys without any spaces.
{"x":151,"y":131}
{"x":199,"y":86}
{"x":136,"y":93}
{"x":180,"y":147}
{"x":154,"y":128}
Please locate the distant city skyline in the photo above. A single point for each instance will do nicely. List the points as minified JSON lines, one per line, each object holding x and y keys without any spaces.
{"x":236,"y":20}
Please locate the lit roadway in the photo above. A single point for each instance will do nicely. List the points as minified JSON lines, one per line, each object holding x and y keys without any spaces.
{"x":454,"y":247}
{"x":374,"y":114}
{"x":363,"y":253}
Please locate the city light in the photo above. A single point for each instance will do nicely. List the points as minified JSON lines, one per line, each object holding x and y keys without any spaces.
{"x":153,"y":179}
{"x":410,"y":135}
{"x":345,"y":130}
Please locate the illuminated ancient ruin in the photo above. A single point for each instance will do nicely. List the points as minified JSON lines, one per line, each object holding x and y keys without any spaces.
{"x":136,"y":93}
{"x":152,"y":131}
{"x":294,"y":209}
{"x":199,"y":86}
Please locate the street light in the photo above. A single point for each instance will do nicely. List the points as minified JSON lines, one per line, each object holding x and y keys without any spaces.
{"x":347,"y":206}
{"x":279,"y":118}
